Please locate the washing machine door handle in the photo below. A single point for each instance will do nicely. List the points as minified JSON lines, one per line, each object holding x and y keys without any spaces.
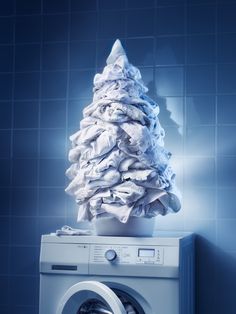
{"x":96,"y":287}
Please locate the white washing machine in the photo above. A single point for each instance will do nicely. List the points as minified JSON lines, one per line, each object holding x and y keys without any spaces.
{"x":117,"y":275}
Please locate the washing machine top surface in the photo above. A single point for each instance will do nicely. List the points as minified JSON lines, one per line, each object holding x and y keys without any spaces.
{"x":160,"y":238}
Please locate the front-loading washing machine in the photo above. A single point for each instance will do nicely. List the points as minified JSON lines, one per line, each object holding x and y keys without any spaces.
{"x":116,"y":275}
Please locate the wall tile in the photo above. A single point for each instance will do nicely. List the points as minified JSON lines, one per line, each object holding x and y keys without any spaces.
{"x":169,"y":223}
{"x":55,"y":27}
{"x":200,"y":79}
{"x":4,"y":262}
{"x":196,"y":53}
{"x":52,"y":172}
{"x":50,"y":6}
{"x":5,"y":115}
{"x":170,"y":20}
{"x":53,"y":114}
{"x":5,"y":172}
{"x":4,"y":286}
{"x":171,"y":112}
{"x":226,"y":49}
{"x":23,"y":294}
{"x":24,"y":201}
{"x":54,"y":56}
{"x":225,"y":206}
{"x":28,"y":7}
{"x":28,"y":29}
{"x":26,"y":85}
{"x":5,"y":142}
{"x":226,"y":18}
{"x":200,"y":141}
{"x":54,"y":84}
{"x":226,"y":171}
{"x":81,"y":84}
{"x":7,"y":7}
{"x":82,"y":55}
{"x":132,"y":4}
{"x":24,"y":309}
{"x":111,"y":4}
{"x":83,"y":5}
{"x":22,"y":260}
{"x":170,"y":50}
{"x":200,"y":110}
{"x":4,"y":309}
{"x":4,"y":231}
{"x":200,"y":203}
{"x":169,"y":81}
{"x":226,"y":109}
{"x":21,"y":120}
{"x":52,"y":143}
{"x":27,"y":57}
{"x":199,"y":172}
{"x":226,"y":78}
{"x":25,"y":144}
{"x":6,"y":58}
{"x":25,"y":172}
{"x":83,"y":26}
{"x":201,"y":19}
{"x":225,"y":140}
{"x":5,"y":197}
{"x":23,"y":231}
{"x":140,"y":23}
{"x":140,"y":51}
{"x":170,"y":2}
{"x":6,"y":86}
{"x":6,"y":30}
{"x":52,"y":202}
{"x":111,"y":24}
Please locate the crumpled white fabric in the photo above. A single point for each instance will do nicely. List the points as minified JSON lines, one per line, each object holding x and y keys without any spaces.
{"x":120,"y":167}
{"x":69,"y":231}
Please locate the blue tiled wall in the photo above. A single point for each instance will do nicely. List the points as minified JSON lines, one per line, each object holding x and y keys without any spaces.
{"x":49,"y":53}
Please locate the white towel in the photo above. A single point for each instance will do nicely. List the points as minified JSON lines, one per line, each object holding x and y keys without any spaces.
{"x":67,"y":230}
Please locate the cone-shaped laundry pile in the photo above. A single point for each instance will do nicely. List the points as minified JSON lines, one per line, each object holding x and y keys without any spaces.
{"x":119,"y":163}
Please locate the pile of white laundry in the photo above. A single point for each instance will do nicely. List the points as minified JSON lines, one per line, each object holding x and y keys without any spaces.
{"x":119,"y":163}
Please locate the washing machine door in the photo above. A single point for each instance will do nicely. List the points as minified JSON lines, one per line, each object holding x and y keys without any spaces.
{"x":90,"y":297}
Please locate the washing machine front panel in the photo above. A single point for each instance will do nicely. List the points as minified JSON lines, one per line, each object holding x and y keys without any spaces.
{"x":145,"y":273}
{"x":95,"y":297}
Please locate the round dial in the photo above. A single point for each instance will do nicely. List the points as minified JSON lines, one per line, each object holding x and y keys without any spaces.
{"x":110,"y":255}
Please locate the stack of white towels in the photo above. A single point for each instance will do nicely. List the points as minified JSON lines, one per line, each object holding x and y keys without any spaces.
{"x":119,"y":163}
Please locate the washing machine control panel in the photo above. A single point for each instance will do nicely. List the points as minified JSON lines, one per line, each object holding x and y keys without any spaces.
{"x":127,"y":254}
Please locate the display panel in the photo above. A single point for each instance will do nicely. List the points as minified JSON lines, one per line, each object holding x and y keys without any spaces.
{"x":146,"y":252}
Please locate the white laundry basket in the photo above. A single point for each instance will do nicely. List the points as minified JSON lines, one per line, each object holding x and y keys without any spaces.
{"x":135,"y":227}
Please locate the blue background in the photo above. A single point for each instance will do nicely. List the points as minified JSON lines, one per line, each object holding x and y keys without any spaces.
{"x":49,"y":53}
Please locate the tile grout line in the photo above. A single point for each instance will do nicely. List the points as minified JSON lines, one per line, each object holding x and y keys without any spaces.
{"x":67,"y":101}
{"x":11,"y":153}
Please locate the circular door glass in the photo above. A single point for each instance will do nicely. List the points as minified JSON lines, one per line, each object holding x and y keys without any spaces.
{"x":95,"y":306}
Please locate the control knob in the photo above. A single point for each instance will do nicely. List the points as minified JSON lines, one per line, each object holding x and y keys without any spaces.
{"x":110,"y":255}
